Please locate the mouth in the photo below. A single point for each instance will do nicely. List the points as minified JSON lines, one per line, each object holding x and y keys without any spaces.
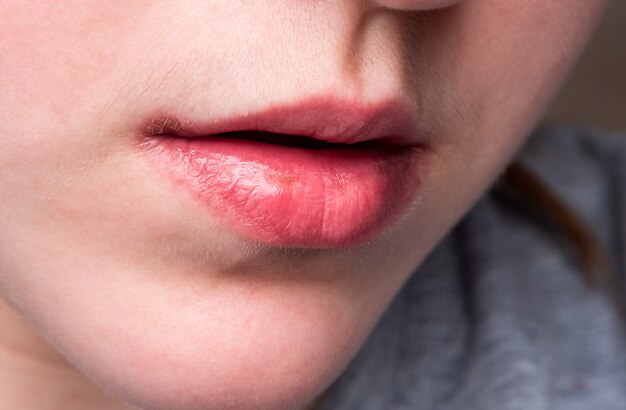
{"x":319,"y":174}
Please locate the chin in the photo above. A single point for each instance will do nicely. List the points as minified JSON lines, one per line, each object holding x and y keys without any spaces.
{"x":248,"y":371}
{"x":237,"y":347}
{"x":241,"y":385}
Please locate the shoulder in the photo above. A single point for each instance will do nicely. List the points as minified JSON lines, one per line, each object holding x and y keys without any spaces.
{"x":575,"y":155}
{"x":585,"y":146}
{"x":585,"y":167}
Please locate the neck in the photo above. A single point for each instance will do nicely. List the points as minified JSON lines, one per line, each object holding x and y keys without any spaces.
{"x":34,"y":376}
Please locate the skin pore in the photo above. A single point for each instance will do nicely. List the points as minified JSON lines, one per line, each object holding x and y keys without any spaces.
{"x":109,"y":268}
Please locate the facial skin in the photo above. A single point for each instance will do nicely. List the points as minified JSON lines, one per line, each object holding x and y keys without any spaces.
{"x":145,"y":291}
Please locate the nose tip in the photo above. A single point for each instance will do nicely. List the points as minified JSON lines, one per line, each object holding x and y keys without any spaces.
{"x":416,"y":4}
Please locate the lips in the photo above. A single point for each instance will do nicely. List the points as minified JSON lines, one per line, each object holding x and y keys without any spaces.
{"x":319,"y":174}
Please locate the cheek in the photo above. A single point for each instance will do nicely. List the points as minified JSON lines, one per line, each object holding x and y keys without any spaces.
{"x":55,"y":74}
{"x":497,"y":64}
{"x":515,"y":54}
{"x":51,"y":54}
{"x":485,"y":72}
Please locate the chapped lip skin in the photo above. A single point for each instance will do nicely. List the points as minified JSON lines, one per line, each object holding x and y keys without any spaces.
{"x":321,"y":173}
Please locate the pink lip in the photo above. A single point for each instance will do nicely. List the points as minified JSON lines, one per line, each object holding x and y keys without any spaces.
{"x":338,"y":195}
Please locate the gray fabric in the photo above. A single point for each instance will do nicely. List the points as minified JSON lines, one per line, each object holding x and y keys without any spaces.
{"x":498,"y":317}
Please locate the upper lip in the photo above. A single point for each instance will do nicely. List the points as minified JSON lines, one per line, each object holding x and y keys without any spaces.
{"x":324,"y":118}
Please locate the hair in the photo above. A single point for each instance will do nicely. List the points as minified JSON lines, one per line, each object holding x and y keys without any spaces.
{"x":538,"y":201}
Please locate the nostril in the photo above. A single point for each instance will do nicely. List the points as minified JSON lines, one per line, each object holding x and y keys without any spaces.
{"x":416,"y":4}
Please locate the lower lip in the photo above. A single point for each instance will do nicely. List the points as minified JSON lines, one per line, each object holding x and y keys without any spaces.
{"x":294,"y":197}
